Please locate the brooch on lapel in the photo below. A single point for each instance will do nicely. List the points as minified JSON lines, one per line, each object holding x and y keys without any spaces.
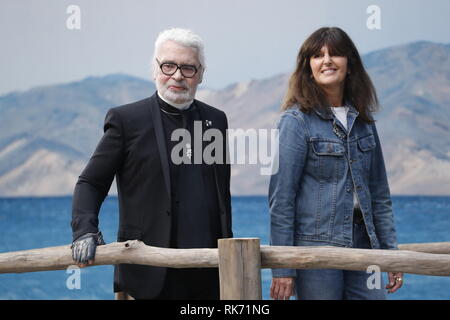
{"x":339,"y":132}
{"x":189,"y":150}
{"x":208,"y":123}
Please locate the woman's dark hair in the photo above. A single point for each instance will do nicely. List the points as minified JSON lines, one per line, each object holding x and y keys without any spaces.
{"x":358,"y":88}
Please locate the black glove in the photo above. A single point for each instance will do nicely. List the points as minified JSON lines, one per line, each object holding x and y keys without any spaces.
{"x":83,"y":248}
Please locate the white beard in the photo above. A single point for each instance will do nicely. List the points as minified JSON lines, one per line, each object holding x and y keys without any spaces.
{"x":177,"y":99}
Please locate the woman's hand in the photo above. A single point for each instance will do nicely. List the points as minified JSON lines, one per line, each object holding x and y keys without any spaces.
{"x":282,"y":288}
{"x":395,"y":281}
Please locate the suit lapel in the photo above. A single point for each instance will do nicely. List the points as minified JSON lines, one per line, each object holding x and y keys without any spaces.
{"x":206,"y":117}
{"x":203,"y":116}
{"x":160,"y":140}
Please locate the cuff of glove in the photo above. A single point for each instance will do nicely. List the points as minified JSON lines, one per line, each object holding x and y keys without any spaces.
{"x":98,"y":237}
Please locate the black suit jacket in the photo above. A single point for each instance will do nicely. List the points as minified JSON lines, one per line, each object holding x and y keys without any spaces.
{"x":133,"y":149}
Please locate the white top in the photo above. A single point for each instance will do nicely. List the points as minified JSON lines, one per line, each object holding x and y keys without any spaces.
{"x":341,"y":114}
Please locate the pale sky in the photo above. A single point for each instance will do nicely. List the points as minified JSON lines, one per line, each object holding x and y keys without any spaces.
{"x":244,"y":39}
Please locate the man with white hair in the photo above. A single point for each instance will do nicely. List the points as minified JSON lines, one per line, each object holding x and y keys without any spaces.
{"x":163,"y":202}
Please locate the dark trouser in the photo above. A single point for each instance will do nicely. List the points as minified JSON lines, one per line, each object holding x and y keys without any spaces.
{"x":191,"y":284}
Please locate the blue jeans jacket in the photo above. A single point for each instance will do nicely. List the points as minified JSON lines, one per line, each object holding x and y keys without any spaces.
{"x":311,"y":195}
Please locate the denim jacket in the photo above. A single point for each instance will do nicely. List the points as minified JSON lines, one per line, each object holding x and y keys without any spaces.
{"x":311,"y":194}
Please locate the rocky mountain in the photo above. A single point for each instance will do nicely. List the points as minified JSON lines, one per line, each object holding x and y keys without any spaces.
{"x":413,"y":82}
{"x":48,"y":133}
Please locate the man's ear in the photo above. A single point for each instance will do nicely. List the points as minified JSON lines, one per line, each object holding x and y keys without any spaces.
{"x":200,"y":78}
{"x":153,"y":69}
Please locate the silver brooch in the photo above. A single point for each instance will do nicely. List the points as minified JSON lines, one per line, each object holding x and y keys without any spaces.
{"x":338,"y":131}
{"x":189,"y":150}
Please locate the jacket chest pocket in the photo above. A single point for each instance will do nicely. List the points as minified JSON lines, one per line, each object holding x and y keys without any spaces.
{"x":365,"y":147}
{"x":328,"y":157}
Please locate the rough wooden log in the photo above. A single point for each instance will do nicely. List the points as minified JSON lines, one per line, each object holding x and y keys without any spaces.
{"x":136,"y":252}
{"x":431,"y":247}
{"x":129,"y":252}
{"x":240,"y":269}
{"x":355,"y":259}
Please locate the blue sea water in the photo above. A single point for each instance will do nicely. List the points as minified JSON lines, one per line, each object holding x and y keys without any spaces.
{"x":29,"y":223}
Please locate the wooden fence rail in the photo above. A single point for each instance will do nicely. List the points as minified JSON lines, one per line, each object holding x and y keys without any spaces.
{"x":240,"y":260}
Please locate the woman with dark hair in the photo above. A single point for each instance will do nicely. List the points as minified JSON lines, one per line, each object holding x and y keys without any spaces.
{"x":331,"y":186}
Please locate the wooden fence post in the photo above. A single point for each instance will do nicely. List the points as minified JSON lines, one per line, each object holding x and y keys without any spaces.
{"x":240,"y":269}
{"x":122,"y":296}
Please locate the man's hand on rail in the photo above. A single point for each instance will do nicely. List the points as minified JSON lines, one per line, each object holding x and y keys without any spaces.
{"x":83,"y":248}
{"x":395,"y":281}
{"x":282,"y":288}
